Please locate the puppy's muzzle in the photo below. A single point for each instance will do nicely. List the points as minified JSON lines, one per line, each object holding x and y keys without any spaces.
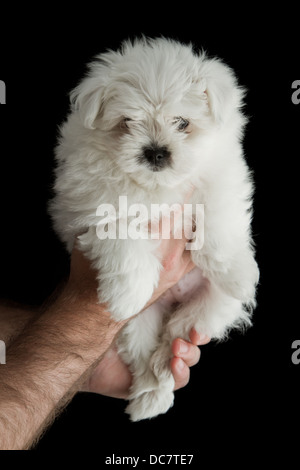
{"x":156,"y":158}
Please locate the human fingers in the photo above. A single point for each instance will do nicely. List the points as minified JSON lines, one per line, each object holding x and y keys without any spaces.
{"x":198,"y":339}
{"x":180,"y":371}
{"x":186,"y":351}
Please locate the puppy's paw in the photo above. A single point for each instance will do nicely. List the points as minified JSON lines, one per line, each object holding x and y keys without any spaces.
{"x":124,"y":295}
{"x":127,"y":286}
{"x":150,"y":404}
{"x":160,"y":362}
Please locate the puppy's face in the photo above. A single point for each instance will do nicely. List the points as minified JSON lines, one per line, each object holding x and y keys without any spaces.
{"x":152,"y":105}
{"x":157,"y":134}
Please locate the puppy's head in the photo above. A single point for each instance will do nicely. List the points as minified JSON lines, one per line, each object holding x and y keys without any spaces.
{"x":153,"y":104}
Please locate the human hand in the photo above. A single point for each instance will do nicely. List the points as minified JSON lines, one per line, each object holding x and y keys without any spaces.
{"x":113,"y":378}
{"x":175,"y":260}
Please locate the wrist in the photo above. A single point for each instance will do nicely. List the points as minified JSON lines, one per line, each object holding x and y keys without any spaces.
{"x":83,"y":322}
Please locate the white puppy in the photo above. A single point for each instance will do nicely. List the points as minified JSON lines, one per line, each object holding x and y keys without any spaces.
{"x":150,"y":122}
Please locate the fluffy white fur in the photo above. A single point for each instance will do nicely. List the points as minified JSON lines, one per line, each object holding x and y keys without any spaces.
{"x":132,"y":99}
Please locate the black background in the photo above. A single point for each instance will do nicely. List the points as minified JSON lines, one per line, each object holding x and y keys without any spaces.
{"x":243,"y":397}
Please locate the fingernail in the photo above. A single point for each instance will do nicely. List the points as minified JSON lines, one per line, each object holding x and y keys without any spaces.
{"x":203,"y":338}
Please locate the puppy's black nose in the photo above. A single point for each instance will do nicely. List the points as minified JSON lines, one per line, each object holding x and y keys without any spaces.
{"x":157,"y":157}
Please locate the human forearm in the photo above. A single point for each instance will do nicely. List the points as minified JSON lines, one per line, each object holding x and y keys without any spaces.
{"x":47,"y":363}
{"x":13,"y":319}
{"x":54,"y":354}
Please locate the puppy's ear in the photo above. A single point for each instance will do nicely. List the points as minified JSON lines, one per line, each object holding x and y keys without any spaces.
{"x":224,"y":96}
{"x":88,"y":99}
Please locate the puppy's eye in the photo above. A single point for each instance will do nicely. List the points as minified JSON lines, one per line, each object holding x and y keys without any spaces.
{"x":181,"y":123}
{"x":124,"y":123}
